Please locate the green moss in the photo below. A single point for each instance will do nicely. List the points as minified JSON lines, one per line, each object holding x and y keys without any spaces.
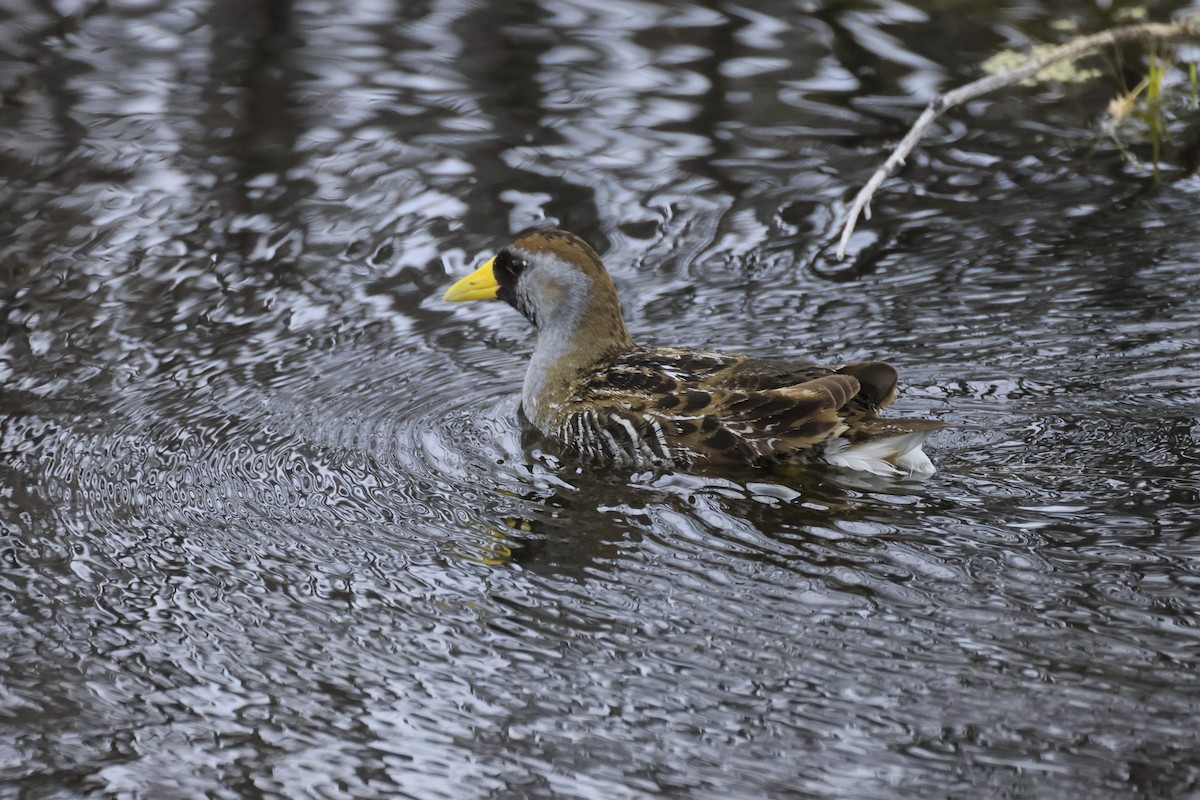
{"x":1062,"y":72}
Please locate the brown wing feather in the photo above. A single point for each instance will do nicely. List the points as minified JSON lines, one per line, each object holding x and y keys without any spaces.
{"x":779,"y":422}
{"x":721,"y":371}
{"x":718,"y":425}
{"x":877,"y":382}
{"x":705,"y":370}
{"x":677,"y":406}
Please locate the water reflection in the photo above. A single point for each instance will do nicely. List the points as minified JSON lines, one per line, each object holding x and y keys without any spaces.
{"x":269,"y":526}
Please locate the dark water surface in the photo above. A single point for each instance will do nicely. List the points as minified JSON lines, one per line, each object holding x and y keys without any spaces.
{"x":269,"y":526}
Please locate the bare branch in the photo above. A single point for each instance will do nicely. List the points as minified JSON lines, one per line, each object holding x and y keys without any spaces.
{"x":1150,"y":31}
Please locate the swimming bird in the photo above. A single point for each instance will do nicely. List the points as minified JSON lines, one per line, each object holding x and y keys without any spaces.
{"x":589,"y":386}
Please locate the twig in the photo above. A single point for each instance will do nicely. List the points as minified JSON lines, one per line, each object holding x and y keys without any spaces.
{"x":1152,"y":31}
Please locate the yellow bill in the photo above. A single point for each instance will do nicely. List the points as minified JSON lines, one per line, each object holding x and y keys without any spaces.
{"x":479,"y":285}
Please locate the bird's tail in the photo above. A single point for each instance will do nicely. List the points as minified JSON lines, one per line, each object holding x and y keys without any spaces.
{"x":896,"y":456}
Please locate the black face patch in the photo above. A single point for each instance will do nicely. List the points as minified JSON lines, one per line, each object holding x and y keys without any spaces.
{"x":508,"y":268}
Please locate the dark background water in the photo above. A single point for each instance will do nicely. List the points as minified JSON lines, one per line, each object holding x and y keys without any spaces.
{"x":269,"y":527}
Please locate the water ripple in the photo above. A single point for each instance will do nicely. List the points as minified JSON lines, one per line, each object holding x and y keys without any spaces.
{"x":269,"y":524}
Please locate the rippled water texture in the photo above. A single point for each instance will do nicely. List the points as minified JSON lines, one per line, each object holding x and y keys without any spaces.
{"x":269,"y":526}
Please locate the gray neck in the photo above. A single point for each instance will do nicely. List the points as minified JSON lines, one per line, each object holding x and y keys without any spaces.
{"x":549,"y":366}
{"x":578,"y":322}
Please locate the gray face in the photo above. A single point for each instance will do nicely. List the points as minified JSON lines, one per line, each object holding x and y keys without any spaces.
{"x":550,"y":292}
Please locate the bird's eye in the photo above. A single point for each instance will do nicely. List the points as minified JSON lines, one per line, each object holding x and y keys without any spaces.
{"x":507,"y":268}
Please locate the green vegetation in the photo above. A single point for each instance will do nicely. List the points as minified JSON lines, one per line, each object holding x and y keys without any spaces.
{"x":1161,"y":111}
